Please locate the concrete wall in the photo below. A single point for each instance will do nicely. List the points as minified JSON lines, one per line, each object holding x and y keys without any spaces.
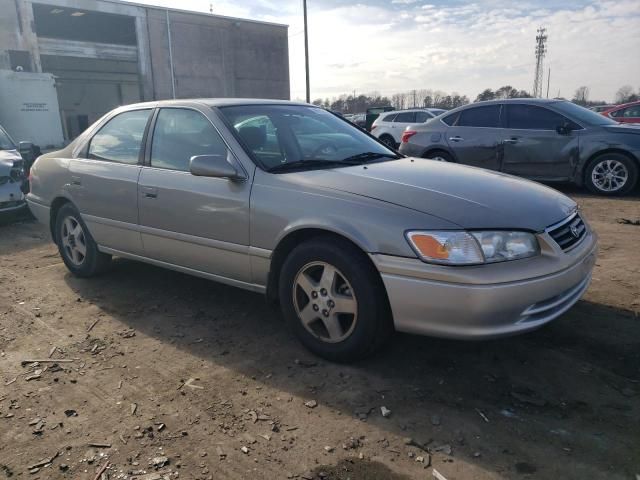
{"x":217,"y":56}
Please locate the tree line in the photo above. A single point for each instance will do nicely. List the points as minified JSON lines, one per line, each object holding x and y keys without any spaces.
{"x":625,"y":94}
{"x":427,"y":98}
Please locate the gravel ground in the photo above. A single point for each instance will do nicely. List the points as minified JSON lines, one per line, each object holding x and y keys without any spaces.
{"x":158,"y":375}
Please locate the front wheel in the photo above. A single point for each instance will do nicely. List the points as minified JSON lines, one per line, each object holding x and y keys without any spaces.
{"x":76,"y":246}
{"x":334,"y":300}
{"x":611,"y":174}
{"x":439,"y":156}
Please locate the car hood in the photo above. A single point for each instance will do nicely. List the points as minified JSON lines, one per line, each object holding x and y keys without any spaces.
{"x":470,"y":197}
{"x":633,"y":128}
{"x":7,"y":157}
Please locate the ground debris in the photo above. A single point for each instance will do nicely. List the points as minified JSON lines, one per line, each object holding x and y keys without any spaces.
{"x":311,"y":404}
{"x":528,"y":396}
{"x":43,"y":462}
{"x":160,"y":461}
{"x":438,"y":475}
{"x":626,"y":221}
{"x":385,"y":412}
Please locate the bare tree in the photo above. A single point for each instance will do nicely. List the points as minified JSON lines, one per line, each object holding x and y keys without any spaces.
{"x":625,"y":94}
{"x":581,"y":97}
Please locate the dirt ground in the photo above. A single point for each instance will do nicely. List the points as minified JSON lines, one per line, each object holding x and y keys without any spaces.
{"x":162,"y":376}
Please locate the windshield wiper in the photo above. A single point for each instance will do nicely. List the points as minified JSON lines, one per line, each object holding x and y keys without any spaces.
{"x":369,"y":156}
{"x":283,"y":167}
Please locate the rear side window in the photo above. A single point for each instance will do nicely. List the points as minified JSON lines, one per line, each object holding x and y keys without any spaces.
{"x":120,"y":139}
{"x":422,"y":117}
{"x":180,"y":134}
{"x":530,"y":117}
{"x":389,"y":118}
{"x":406,"y":117}
{"x":487,"y":116}
{"x":451,"y":119}
{"x":632,"y":112}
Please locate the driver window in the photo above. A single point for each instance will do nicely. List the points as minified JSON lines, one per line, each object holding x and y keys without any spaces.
{"x":180,"y":134}
{"x":120,"y":139}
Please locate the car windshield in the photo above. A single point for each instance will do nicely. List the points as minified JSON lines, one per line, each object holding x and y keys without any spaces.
{"x":296,"y":136}
{"x":5,"y":141}
{"x":582,"y":115}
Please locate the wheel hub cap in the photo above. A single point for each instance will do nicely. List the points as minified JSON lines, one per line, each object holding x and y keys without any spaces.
{"x":325,"y":302}
{"x":73,"y":241}
{"x":609,"y":175}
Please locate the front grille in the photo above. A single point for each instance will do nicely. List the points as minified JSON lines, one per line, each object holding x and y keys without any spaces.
{"x":569,"y":233}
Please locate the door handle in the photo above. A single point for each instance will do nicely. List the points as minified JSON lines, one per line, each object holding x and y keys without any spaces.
{"x":150,"y":192}
{"x":510,"y":141}
{"x":456,"y":139}
{"x":76,"y":181}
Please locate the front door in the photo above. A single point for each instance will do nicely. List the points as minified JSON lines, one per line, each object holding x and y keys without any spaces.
{"x":200,"y":223}
{"x":104,"y":181}
{"x":533,"y":148}
{"x":473,"y":136}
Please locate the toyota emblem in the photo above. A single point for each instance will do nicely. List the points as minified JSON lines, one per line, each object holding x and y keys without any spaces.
{"x":574,"y":231}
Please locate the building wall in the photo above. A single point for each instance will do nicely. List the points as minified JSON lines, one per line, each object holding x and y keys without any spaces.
{"x":212,"y":56}
{"x":217,"y":56}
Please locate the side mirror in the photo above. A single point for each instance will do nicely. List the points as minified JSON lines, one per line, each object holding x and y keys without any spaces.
{"x":216,"y":166}
{"x":25,"y":147}
{"x":563,"y":129}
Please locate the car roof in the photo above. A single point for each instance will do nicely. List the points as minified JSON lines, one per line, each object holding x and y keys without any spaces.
{"x":622,"y":105}
{"x":218,"y":102}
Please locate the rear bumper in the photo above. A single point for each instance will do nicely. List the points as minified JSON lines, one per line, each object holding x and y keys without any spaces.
{"x":475,"y":311}
{"x":41,"y":212}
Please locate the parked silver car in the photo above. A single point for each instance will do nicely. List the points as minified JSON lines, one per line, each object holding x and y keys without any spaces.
{"x":12,"y":176}
{"x":545,"y":140}
{"x":290,"y":200}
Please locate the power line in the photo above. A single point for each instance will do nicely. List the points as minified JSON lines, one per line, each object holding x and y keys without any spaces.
{"x":541,"y":50}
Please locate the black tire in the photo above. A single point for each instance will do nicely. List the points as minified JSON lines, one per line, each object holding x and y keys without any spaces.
{"x":93,"y":262}
{"x":373,"y":325}
{"x":439,"y":155}
{"x":624,"y":162}
{"x":388,"y":141}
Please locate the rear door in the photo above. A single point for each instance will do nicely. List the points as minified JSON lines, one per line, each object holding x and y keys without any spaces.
{"x":473,"y":135}
{"x":533,"y":148}
{"x":104,"y":180}
{"x":400,"y":122}
{"x":199,"y":223}
{"x":628,"y":115}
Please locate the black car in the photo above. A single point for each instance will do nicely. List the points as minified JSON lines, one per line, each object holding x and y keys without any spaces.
{"x":545,"y":140}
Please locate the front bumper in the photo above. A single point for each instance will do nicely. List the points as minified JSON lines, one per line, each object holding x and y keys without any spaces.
{"x":475,"y":310}
{"x":11,"y":197}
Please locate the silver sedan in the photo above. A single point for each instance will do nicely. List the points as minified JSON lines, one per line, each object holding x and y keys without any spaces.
{"x":352,"y":239}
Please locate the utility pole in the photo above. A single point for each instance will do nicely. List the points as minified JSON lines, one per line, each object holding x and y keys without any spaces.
{"x":548,"y":81}
{"x":541,"y":50}
{"x":306,"y":50}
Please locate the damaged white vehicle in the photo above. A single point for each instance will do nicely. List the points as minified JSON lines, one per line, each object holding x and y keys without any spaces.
{"x":12,"y":176}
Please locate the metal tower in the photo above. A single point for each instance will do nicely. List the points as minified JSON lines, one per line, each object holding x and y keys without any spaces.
{"x":541,"y":50}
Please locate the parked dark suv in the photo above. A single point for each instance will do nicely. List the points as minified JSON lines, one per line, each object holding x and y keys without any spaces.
{"x":546,"y":140}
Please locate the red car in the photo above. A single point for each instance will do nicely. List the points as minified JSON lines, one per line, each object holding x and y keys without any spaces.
{"x":625,"y":113}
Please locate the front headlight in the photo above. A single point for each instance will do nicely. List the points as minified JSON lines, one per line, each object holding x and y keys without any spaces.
{"x":472,"y":248}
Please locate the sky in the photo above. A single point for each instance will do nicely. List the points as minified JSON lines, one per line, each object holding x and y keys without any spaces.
{"x":395,"y":46}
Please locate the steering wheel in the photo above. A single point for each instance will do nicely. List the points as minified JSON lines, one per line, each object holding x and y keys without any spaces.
{"x":324,"y":149}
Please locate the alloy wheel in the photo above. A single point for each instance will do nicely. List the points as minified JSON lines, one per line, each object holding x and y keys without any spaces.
{"x":74,"y":241}
{"x":325,"y":302}
{"x":609,"y":175}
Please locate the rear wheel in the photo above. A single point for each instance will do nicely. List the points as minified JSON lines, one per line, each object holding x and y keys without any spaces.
{"x":388,"y":141}
{"x":439,"y":156}
{"x":334,"y":300}
{"x":611,"y":174}
{"x":76,"y":246}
